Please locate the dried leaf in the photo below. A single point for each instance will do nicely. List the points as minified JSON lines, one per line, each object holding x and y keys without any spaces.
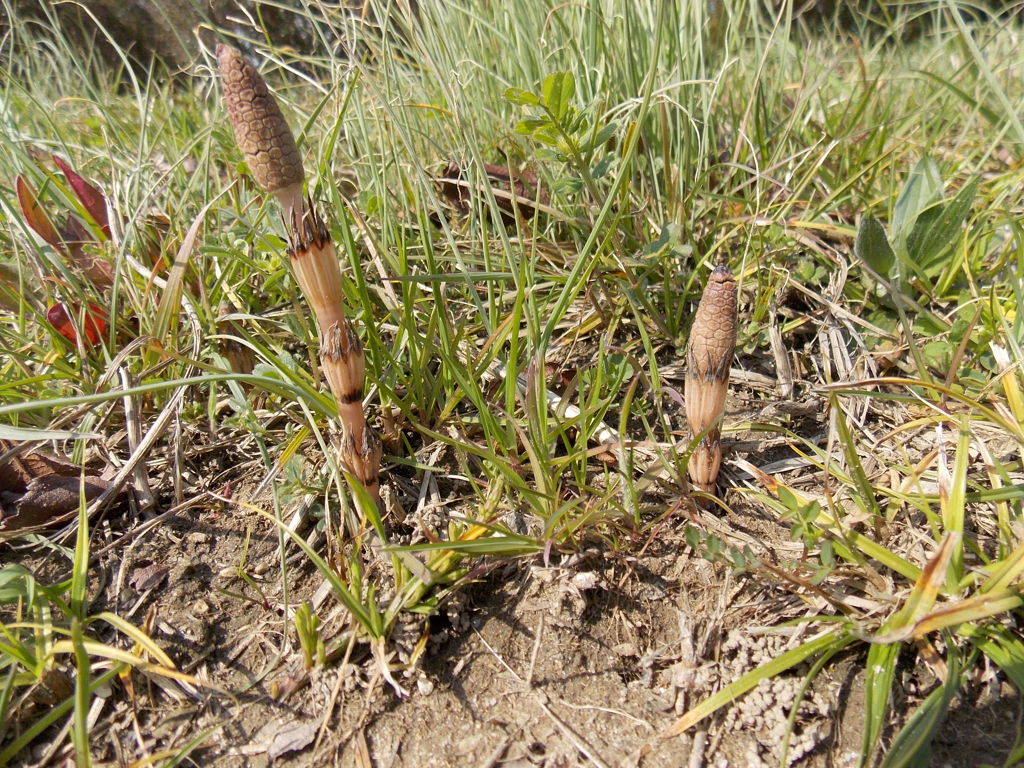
{"x":73,"y":232}
{"x":517,"y":191}
{"x":292,"y":737}
{"x":155,"y":229}
{"x":47,"y":498}
{"x":18,"y":468}
{"x":240,"y":357}
{"x":147,"y":577}
{"x":75,"y":238}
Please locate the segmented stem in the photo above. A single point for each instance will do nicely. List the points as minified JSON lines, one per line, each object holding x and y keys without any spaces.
{"x":266,"y":140}
{"x":709,"y":355}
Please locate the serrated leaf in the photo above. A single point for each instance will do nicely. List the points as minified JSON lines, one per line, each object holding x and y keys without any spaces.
{"x":938,"y":228}
{"x":557,"y":93}
{"x":872,"y":247}
{"x":923,"y":187}
{"x":519,"y":96}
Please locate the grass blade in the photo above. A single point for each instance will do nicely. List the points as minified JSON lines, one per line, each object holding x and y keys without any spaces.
{"x":878,"y":676}
{"x":830,"y":641}
{"x":912,"y":746}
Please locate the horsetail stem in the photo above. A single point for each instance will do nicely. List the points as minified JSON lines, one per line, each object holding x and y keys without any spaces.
{"x":269,"y":147}
{"x":261,"y":132}
{"x":709,"y":354}
{"x":315,"y":265}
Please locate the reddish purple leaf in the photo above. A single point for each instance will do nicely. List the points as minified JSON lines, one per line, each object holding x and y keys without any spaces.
{"x":95,"y":322}
{"x":96,"y":268}
{"x":91,"y":197}
{"x":34,"y":214}
{"x":73,"y":232}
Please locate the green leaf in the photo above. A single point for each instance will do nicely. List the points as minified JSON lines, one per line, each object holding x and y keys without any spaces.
{"x":170,"y":300}
{"x":923,"y":187}
{"x":912,"y":746}
{"x":532,"y":125}
{"x":7,"y":432}
{"x":865,"y":497}
{"x":605,"y":134}
{"x":600,"y":170}
{"x":954,"y":506}
{"x":878,"y":676}
{"x":830,"y":642}
{"x":600,"y":138}
{"x":557,"y":93}
{"x":1002,"y":647}
{"x":872,"y":247}
{"x":519,"y":96}
{"x":985,"y":111}
{"x":349,"y":597}
{"x":938,"y":228}
{"x":548,"y":135}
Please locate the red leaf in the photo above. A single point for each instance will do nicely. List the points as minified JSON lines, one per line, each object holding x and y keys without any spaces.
{"x":95,"y":267}
{"x":95,"y":322}
{"x":34,"y":214}
{"x":74,"y":232}
{"x":91,"y":197}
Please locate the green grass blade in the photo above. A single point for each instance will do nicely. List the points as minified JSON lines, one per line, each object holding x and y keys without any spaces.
{"x":912,"y":746}
{"x":879,"y":671}
{"x":830,"y":641}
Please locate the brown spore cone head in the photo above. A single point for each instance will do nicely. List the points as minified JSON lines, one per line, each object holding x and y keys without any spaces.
{"x":261,"y":131}
{"x":713,"y":336}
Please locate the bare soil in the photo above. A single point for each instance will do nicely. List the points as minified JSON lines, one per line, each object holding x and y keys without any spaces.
{"x":581,"y":660}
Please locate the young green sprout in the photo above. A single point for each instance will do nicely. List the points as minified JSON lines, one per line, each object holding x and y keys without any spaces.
{"x":708,"y":357}
{"x":269,"y":147}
